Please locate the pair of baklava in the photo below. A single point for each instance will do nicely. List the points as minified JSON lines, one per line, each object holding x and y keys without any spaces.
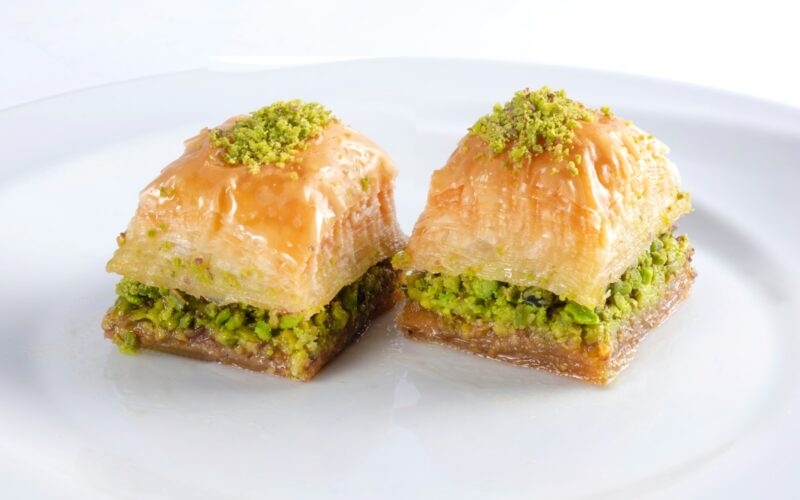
{"x":547,"y":241}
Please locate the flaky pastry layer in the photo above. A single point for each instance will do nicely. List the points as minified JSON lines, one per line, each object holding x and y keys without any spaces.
{"x":285,"y":239}
{"x":544,"y":225}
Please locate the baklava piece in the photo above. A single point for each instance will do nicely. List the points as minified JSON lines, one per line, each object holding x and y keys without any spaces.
{"x":264,"y":246}
{"x":548,"y":240}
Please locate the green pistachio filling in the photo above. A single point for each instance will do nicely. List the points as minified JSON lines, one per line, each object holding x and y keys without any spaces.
{"x":300,"y":336}
{"x":272,"y":135}
{"x":507,"y":308}
{"x":533,"y":122}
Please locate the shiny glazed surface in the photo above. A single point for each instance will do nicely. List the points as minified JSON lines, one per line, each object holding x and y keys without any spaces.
{"x":285,"y":239}
{"x":543,"y":226}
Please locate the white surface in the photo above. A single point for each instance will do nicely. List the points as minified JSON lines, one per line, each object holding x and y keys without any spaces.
{"x":49,"y":47}
{"x":707,"y":409}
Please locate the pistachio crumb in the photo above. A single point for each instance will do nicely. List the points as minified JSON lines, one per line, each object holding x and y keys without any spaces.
{"x":128,"y":343}
{"x":531,"y":123}
{"x":606,"y":111}
{"x":274,"y":134}
{"x":401,"y":260}
{"x":572,"y":168}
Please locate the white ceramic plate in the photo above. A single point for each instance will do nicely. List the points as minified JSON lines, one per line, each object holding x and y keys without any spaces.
{"x":709,"y":407}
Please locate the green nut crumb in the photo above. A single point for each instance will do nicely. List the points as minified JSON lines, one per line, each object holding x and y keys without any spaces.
{"x":272,"y":135}
{"x":262,"y":330}
{"x":236,"y":320}
{"x":290,"y":321}
{"x":581,"y":315}
{"x":128,"y":343}
{"x":401,"y":260}
{"x":572,"y":168}
{"x":606,"y":111}
{"x":532,"y":122}
{"x":506,"y":307}
{"x":159,"y":313}
{"x":223,"y":316}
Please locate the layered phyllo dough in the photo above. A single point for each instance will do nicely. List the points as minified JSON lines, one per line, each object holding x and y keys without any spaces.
{"x":264,"y":245}
{"x":548,"y":239}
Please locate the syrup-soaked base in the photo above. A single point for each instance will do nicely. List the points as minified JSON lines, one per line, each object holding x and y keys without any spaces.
{"x":526,"y":348}
{"x":203,"y":347}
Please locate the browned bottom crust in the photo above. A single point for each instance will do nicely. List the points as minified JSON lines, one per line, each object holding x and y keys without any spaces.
{"x":526,"y":348}
{"x":203,"y":347}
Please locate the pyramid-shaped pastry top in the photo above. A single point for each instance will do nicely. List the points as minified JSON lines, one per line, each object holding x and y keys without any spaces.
{"x":547,"y":193}
{"x":286,"y":235}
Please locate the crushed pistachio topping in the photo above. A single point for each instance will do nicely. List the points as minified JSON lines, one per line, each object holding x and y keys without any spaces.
{"x":531,"y":123}
{"x":470,"y":300}
{"x":272,"y":135}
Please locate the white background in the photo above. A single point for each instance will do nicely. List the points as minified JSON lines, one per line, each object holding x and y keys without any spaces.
{"x":52,"y":47}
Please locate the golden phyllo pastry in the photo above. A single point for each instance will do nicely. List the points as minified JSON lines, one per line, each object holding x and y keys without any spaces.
{"x":547,"y":239}
{"x":264,"y":245}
